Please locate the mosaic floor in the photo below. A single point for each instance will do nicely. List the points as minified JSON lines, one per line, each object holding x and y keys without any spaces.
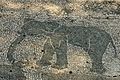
{"x":59,"y":40}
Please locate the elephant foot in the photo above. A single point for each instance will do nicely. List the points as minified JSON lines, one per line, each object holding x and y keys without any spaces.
{"x":43,"y":63}
{"x":99,"y":71}
{"x":57,"y":66}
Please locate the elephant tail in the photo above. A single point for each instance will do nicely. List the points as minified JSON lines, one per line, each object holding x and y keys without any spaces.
{"x":111,"y":40}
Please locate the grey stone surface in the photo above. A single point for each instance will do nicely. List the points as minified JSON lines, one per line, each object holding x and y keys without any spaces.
{"x":21,"y":39}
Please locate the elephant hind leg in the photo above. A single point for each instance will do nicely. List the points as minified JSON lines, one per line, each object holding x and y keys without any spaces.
{"x":96,"y":50}
{"x":96,"y":57}
{"x":97,"y":65}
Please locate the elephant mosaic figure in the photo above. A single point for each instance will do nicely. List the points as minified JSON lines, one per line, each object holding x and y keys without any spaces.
{"x":91,"y":39}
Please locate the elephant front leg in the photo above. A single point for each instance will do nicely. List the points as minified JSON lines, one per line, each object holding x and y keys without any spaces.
{"x":47,"y":56}
{"x":61,"y":55}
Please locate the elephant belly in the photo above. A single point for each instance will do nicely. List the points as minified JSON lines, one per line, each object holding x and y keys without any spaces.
{"x":78,"y":39}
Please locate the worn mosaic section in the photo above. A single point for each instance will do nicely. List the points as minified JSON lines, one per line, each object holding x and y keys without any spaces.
{"x":59,"y":40}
